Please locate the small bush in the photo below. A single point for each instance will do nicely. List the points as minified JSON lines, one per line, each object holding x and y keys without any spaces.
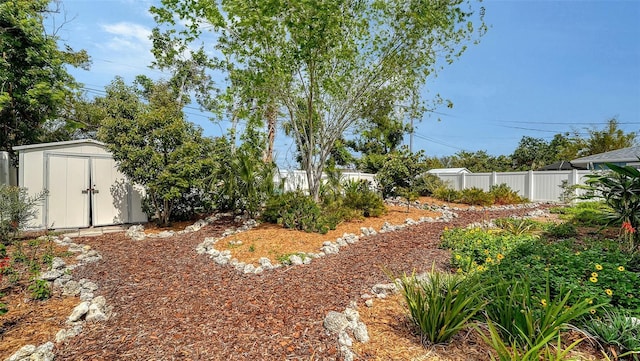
{"x":359,"y":196}
{"x":587,"y":214}
{"x":446,"y":194}
{"x":476,"y":196}
{"x":502,"y":194}
{"x":17,"y":208}
{"x":440,"y":305}
{"x":561,"y":230}
{"x":427,"y":184}
{"x":40,"y":289}
{"x":297,"y":211}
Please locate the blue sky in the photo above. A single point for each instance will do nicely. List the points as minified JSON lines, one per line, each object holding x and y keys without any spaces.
{"x":544,"y":67}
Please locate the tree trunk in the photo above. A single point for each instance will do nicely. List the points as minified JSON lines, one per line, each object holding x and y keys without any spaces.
{"x":272,"y":116}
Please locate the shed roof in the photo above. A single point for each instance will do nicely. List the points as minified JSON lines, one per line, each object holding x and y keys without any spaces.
{"x":58,"y":144}
{"x":630,"y":154}
{"x":448,"y":170}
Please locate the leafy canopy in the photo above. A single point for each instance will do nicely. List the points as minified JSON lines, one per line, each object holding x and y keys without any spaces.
{"x":321,"y":62}
{"x":154,"y":145}
{"x":34,"y":83}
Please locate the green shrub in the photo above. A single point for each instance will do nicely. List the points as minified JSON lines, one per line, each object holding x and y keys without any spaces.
{"x":587,"y":214}
{"x":40,"y":289}
{"x":502,"y":194}
{"x":359,"y":196}
{"x":17,"y":209}
{"x":476,"y":196}
{"x":446,"y":194}
{"x":620,"y":189}
{"x":427,"y":183}
{"x":440,"y":305}
{"x":398,"y":175}
{"x":561,"y":230}
{"x":617,"y":333}
{"x":296,"y":210}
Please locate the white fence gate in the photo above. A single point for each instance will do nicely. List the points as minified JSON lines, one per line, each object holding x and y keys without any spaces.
{"x":536,"y":186}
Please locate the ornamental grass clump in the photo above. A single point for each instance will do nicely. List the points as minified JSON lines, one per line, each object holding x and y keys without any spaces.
{"x":440,"y":305}
{"x":528,"y":319}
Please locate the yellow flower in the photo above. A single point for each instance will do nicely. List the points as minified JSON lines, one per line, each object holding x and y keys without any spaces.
{"x":486,"y":251}
{"x":593,"y":311}
{"x":543,"y":302}
{"x":458,"y":257}
{"x":500,"y":256}
{"x":489,"y":260}
{"x":620,"y":268}
{"x":459,"y":270}
{"x":598,"y":267}
{"x":608,"y":292}
{"x":593,"y":274}
{"x":589,"y":301}
{"x":593,"y":279}
{"x":480,"y":268}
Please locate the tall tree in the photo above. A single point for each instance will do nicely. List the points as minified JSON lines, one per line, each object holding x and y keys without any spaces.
{"x":154,"y":145}
{"x":532,"y":153}
{"x":322,"y":61}
{"x":381,"y":131}
{"x":34,"y":83}
{"x":611,"y":137}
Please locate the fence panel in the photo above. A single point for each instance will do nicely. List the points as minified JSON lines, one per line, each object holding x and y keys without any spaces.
{"x":297,"y":179}
{"x":536,"y":186}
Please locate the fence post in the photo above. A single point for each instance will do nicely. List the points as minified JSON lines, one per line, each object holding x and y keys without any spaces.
{"x":574,"y":177}
{"x":529,"y":185}
{"x":463,"y":181}
{"x":493,"y":180}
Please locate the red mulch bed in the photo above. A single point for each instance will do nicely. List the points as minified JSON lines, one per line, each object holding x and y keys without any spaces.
{"x":171,"y":304}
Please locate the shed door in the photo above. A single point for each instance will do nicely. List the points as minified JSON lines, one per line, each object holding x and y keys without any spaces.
{"x":67,"y":182}
{"x":110,"y":195}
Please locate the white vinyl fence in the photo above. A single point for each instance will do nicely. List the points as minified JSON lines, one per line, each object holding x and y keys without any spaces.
{"x":297,"y":179}
{"x":8,"y":173}
{"x":536,"y":186}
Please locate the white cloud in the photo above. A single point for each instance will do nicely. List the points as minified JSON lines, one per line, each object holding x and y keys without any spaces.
{"x":128,"y":34}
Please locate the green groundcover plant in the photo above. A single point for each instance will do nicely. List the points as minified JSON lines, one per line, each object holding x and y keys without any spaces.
{"x":592,"y":268}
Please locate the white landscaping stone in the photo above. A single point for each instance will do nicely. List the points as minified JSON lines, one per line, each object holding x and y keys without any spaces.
{"x":22,"y":353}
{"x":79,"y":311}
{"x":95,"y":313}
{"x":335,"y":322}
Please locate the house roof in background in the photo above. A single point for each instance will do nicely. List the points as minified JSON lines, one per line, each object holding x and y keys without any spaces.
{"x":448,"y":170}
{"x":563,"y":165}
{"x":59,"y":144}
{"x":630,"y":154}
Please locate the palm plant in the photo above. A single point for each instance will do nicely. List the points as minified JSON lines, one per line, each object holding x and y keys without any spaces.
{"x":620,"y":189}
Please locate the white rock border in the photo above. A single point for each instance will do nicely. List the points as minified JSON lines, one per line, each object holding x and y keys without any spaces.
{"x":90,"y":308}
{"x":224,"y":258}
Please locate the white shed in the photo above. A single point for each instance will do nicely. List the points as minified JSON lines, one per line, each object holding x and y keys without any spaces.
{"x":84,"y":186}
